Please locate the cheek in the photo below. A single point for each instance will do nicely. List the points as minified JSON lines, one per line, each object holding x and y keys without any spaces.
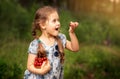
{"x":49,"y":29}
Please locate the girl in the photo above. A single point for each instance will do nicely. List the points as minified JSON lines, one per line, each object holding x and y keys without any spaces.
{"x":49,"y":44}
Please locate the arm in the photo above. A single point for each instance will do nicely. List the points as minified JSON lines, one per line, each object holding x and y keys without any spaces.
{"x":73,"y":44}
{"x":30,"y":65}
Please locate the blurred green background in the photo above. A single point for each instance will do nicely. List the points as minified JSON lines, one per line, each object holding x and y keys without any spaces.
{"x":98,"y":34}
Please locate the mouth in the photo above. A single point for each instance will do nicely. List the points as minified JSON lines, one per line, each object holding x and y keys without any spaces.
{"x":57,"y":29}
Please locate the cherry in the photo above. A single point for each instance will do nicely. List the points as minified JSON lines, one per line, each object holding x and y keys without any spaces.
{"x":39,"y":61}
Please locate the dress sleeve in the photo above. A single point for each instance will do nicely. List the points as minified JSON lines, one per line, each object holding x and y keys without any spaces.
{"x":33,"y":47}
{"x":63,"y":38}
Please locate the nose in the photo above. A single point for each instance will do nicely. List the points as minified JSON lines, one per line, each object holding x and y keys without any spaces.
{"x":58,"y":23}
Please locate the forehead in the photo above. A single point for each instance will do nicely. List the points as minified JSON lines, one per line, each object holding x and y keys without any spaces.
{"x":53,"y":15}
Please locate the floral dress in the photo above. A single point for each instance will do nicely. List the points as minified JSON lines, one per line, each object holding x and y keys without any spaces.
{"x":56,"y":71}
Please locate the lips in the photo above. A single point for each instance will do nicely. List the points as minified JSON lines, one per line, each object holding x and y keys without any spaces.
{"x":57,"y":29}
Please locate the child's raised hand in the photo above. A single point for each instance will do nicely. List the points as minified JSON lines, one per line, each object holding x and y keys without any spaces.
{"x":72,"y":26}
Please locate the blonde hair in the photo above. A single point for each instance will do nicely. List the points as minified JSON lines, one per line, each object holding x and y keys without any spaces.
{"x":40,"y":17}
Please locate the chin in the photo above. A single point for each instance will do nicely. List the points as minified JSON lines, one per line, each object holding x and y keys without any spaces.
{"x":56,"y":34}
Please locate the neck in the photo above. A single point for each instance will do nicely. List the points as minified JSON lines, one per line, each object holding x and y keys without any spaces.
{"x":47,"y":39}
{"x":47,"y":36}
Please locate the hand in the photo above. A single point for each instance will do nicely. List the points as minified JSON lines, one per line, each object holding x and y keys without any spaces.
{"x":73,"y":25}
{"x":46,"y":66}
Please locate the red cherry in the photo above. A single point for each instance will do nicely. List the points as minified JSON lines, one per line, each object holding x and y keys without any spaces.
{"x":36,"y":59}
{"x":38,"y":64}
{"x":39,"y":61}
{"x":44,"y":58}
{"x":35,"y":64}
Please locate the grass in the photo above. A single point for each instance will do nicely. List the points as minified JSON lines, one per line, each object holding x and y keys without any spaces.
{"x":14,"y":52}
{"x":93,"y":62}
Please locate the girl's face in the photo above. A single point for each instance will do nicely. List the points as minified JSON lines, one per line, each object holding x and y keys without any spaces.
{"x":52,"y":24}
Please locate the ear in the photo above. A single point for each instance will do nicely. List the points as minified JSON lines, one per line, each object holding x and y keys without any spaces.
{"x":42,"y":26}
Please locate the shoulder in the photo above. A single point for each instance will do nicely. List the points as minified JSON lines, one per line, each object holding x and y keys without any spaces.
{"x":33,"y":46}
{"x":61,"y":36}
{"x":34,"y":42}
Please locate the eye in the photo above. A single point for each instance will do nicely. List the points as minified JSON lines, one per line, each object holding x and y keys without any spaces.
{"x":54,"y":20}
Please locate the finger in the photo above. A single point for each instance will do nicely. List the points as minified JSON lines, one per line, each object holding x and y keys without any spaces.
{"x":43,"y":64}
{"x":76,"y":23}
{"x":70,"y":29}
{"x":71,"y":23}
